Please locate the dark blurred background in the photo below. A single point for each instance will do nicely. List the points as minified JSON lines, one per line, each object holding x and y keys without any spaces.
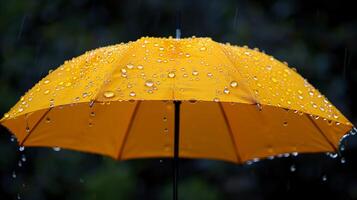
{"x":318,"y":38}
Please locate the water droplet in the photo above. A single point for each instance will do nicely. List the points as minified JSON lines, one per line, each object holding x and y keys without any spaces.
{"x":161,"y":48}
{"x":92,"y":114}
{"x":130,"y":66}
{"x":187,"y":55}
{"x":194,"y":72}
{"x":48,"y":120}
{"x":47,"y":81}
{"x":332,"y":155}
{"x":268,"y":67}
{"x":46,"y":92}
{"x":285,"y":123}
{"x":192,"y":101}
{"x":12,"y":138}
{"x":13,"y":174}
{"x":209,"y":74}
{"x":259,"y":106}
{"x":21,"y":109}
{"x":19,"y":163}
{"x":77,"y":99}
{"x":203,"y":49}
{"x":132,"y":94}
{"x":6,"y":115}
{"x":164,"y":119}
{"x":226,"y":91}
{"x":292,"y":168}
{"x":149,"y":83}
{"x":343,"y":160}
{"x":91,"y":103}
{"x":171,"y":74}
{"x":56,"y":149}
{"x":311,"y":93}
{"x":85,"y":94}
{"x":109,"y":94}
{"x":27,"y":129}
{"x":234,"y":84}
{"x":216,"y":99}
{"x":313,"y":104}
{"x":21,"y":148}
{"x":123,"y":70}
{"x":324,"y":178}
{"x":23,"y":158}
{"x":140,"y":67}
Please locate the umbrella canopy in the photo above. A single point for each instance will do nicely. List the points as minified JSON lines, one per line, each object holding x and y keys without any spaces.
{"x":238,"y":104}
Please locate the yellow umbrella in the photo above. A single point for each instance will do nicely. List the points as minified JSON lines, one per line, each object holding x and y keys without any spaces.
{"x":238,"y":104}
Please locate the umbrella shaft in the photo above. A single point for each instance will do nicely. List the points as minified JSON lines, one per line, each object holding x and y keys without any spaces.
{"x":176,"y":148}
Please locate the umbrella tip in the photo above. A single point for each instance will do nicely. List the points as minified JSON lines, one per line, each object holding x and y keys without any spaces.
{"x":178,"y":24}
{"x":178,"y":33}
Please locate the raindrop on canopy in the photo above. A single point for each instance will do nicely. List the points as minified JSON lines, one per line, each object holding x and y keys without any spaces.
{"x":171,"y":74}
{"x":149,"y":83}
{"x":109,"y":94}
{"x":130,"y":66}
{"x":234,"y":84}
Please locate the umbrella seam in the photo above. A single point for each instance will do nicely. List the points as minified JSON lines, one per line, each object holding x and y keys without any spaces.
{"x":100,"y":88}
{"x":322,"y":133}
{"x":239,"y":159}
{"x":35,"y":126}
{"x":237,"y":68}
{"x":121,"y":148}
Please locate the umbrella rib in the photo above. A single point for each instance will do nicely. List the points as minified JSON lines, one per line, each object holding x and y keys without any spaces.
{"x":322,"y":133}
{"x":35,"y":126}
{"x":239,"y":159}
{"x":120,"y":153}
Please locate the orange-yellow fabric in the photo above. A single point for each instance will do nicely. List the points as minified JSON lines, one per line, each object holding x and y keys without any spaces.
{"x":238,"y":104}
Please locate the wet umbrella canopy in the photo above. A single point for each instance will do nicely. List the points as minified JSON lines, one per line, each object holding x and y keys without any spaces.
{"x":238,"y":104}
{"x":254,"y":98}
